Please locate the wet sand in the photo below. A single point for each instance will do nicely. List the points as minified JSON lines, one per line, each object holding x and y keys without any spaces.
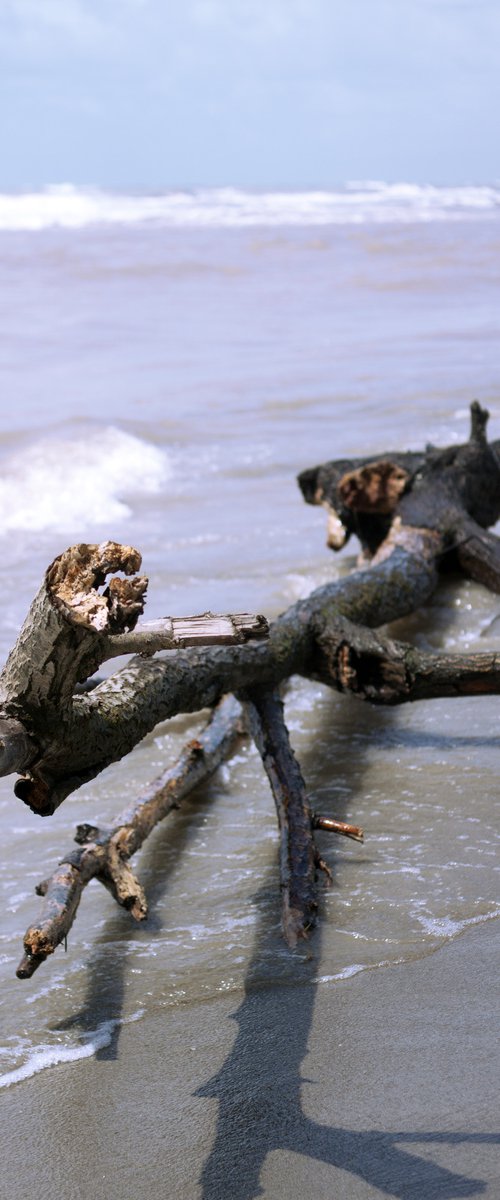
{"x":384,"y":1084}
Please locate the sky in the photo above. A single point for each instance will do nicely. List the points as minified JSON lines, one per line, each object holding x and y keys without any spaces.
{"x":262,"y":93}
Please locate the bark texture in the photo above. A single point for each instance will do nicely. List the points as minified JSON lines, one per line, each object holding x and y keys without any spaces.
{"x":49,"y":729}
{"x":415,"y":514}
{"x":455,"y":492}
{"x":62,"y":741}
{"x":104,"y":853}
{"x":298,"y":854}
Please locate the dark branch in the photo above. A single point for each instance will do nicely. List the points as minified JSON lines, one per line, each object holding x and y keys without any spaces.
{"x":298,"y":855}
{"x":104,"y":854}
{"x":414,"y":514}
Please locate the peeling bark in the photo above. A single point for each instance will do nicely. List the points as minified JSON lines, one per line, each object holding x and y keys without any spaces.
{"x":415,"y":515}
{"x":47,"y":731}
{"x":455,"y":492}
{"x":69,"y":744}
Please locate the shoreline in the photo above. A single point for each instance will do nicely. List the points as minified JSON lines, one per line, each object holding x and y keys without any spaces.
{"x":385,"y":1083}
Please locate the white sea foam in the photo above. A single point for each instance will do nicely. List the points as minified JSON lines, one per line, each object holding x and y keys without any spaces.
{"x":356,"y":968}
{"x":70,"y":483}
{"x":45,"y":1056}
{"x":72,"y":207}
{"x":442,"y":928}
{"x":346,"y":973}
{"x":447,"y":927}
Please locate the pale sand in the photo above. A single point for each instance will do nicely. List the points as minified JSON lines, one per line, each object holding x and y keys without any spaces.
{"x":386,"y":1084}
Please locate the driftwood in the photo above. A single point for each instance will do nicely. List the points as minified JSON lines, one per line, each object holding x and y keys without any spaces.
{"x":104,"y":853}
{"x":298,"y":855}
{"x":416,"y":515}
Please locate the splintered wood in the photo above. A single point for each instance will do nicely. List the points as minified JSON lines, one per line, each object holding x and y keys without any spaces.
{"x":414,"y":514}
{"x":174,"y":633}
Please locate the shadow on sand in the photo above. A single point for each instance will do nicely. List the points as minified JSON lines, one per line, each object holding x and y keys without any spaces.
{"x":258,"y":1089}
{"x":259,"y":1086}
{"x":260,"y":1110}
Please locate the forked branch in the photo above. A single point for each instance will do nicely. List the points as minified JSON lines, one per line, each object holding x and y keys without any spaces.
{"x":104,"y":853}
{"x":415,"y":515}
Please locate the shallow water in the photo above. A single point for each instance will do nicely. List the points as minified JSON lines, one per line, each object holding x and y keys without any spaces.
{"x":165,"y":383}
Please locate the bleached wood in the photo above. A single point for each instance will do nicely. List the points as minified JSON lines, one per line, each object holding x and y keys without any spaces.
{"x":174,"y":633}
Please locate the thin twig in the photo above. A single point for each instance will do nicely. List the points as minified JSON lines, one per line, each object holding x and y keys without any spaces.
{"x":332,"y":826}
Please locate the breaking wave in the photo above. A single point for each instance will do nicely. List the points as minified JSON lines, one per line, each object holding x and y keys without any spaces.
{"x":70,"y":483}
{"x":70,"y":207}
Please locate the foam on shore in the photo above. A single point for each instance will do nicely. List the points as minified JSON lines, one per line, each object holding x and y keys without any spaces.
{"x":45,"y":1056}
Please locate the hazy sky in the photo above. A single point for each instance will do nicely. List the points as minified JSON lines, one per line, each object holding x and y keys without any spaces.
{"x":262,"y":92}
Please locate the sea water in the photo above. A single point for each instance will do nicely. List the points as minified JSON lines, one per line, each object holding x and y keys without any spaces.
{"x":169,"y":363}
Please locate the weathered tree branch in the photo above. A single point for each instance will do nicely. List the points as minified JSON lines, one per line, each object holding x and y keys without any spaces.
{"x":455,"y":492}
{"x":330,"y":825}
{"x":46,"y":730}
{"x":68,"y":740}
{"x":104,"y":853}
{"x":372,"y":667}
{"x":175,"y":633}
{"x":478,"y":554}
{"x":298,"y":854}
{"x":438,"y":500}
{"x":415,"y":515}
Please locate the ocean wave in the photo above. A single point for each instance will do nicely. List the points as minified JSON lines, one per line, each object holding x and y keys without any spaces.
{"x":69,"y":207}
{"x":64,"y":484}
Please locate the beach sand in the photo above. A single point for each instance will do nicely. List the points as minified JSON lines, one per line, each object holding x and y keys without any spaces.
{"x":382,"y":1084}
